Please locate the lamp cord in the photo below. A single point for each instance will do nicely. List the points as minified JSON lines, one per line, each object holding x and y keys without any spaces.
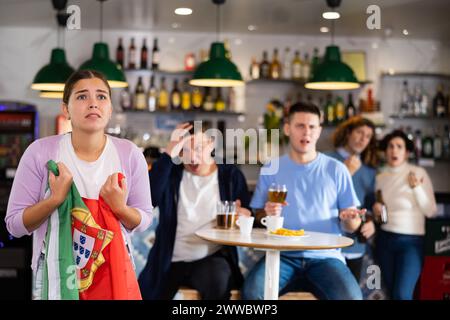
{"x":218,"y":23}
{"x":332,"y":31}
{"x":101,"y":21}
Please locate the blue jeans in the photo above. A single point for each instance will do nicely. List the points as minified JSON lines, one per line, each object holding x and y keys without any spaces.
{"x":327,"y":279}
{"x":401,"y":258}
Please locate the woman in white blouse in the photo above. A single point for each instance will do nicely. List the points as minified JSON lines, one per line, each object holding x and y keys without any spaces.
{"x":408,"y":195}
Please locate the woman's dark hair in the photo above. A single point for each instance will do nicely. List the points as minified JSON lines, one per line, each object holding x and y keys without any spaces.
{"x":303,"y":107}
{"x":409,"y":145}
{"x":80,"y":75}
{"x":340,"y":138}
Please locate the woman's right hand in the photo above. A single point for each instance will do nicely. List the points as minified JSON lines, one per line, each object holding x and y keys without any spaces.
{"x":377,"y":210}
{"x":274,"y":208}
{"x":60,"y":185}
{"x":177,"y":136}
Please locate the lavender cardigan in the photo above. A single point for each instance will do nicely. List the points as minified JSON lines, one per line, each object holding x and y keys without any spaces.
{"x":30,"y":184}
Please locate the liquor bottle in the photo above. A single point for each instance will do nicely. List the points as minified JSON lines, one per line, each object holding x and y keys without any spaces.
{"x":350,"y":109}
{"x":424,"y":101}
{"x":197,"y":98}
{"x":427,"y":146}
{"x":439,"y":107}
{"x":446,"y":143}
{"x":254,"y":69}
{"x":119,"y":54}
{"x":405,"y":103}
{"x":208,"y":103}
{"x":330,"y":113}
{"x":139,"y":96}
{"x":410,"y":135}
{"x":175,"y":96}
{"x":340,"y":110}
{"x":418,"y":144}
{"x":144,"y":55}
{"x":155,"y":55}
{"x":323,"y":108}
{"x":132,"y":55}
{"x":286,"y":62}
{"x":163,"y":97}
{"x":384,"y":213}
{"x":296,"y":73}
{"x":125,"y":99}
{"x":219,"y":104}
{"x":152,"y":95}
{"x":275,"y":66}
{"x":306,"y":68}
{"x":315,"y":62}
{"x":186,"y":96}
{"x":370,"y":103}
{"x":264,"y":67}
{"x":417,"y":99}
{"x":437,"y":145}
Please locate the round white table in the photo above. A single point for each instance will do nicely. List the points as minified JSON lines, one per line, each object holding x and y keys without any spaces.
{"x":259,"y":239}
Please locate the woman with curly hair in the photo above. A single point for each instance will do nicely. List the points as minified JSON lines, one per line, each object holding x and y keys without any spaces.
{"x":355,"y":145}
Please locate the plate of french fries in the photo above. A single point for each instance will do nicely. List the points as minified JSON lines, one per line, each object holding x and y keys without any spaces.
{"x":287,"y":234}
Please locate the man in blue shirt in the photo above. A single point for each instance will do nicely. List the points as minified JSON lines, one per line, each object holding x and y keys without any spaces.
{"x":320,"y":198}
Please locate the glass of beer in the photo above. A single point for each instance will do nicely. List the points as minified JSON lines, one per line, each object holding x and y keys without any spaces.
{"x":226,"y":214}
{"x":277,"y":193}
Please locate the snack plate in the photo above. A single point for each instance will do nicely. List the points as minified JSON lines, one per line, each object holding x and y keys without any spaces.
{"x":280,"y":237}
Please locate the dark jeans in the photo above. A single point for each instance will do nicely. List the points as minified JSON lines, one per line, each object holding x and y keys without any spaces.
{"x":401,"y":258}
{"x":210,"y":276}
{"x":327,"y":279}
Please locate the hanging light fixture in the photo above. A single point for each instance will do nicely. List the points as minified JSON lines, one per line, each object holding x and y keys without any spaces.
{"x":218,"y":71}
{"x":52,"y":76}
{"x":332,"y":73}
{"x":100,"y":60}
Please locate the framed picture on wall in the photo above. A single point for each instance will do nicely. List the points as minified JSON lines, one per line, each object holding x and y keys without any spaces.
{"x":357,"y":61}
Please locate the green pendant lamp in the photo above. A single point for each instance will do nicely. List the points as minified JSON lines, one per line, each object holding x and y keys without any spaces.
{"x":332,"y":73}
{"x":218,"y":71}
{"x":100,"y":60}
{"x":52,"y":76}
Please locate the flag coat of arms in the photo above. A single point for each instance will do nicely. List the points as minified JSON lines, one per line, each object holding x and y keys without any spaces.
{"x":85,"y":254}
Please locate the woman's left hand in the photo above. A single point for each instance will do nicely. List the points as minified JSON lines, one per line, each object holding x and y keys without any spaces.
{"x":413,"y":180}
{"x":113,"y":194}
{"x":241,"y":211}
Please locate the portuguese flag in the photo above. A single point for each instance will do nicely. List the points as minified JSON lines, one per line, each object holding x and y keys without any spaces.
{"x":85,"y":253}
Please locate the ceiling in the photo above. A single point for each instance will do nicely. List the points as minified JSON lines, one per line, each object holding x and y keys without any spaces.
{"x":425,"y":19}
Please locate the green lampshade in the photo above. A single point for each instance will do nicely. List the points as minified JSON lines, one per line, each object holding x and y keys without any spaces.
{"x":218,"y":71}
{"x":52,"y":76}
{"x":100,"y":62}
{"x":332,"y":73}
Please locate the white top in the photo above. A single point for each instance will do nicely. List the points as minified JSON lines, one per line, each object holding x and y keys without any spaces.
{"x":89,"y":177}
{"x":406,"y":207}
{"x":197,"y":201}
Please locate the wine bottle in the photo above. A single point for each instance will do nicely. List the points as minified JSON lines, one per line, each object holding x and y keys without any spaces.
{"x":139,"y":96}
{"x":144,"y":55}
{"x":155,"y":55}
{"x":119,"y":54}
{"x":175,"y":96}
{"x":132,"y":55}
